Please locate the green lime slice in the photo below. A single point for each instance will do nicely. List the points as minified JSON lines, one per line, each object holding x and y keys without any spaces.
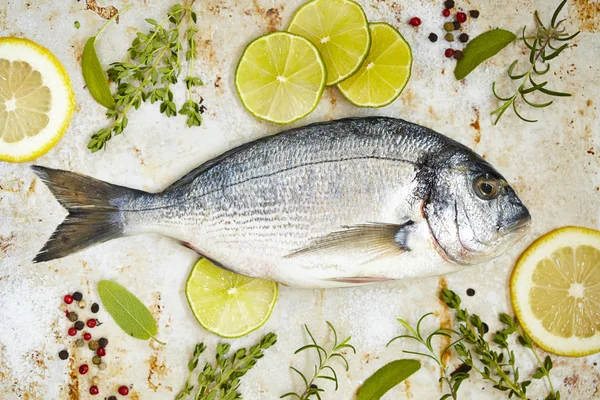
{"x":339,"y":29}
{"x":228,"y":304}
{"x":384,"y":73}
{"x":280,"y":77}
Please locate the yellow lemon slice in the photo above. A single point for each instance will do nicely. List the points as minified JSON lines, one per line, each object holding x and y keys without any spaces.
{"x":228,"y":304}
{"x":36,"y":100}
{"x":555,"y":291}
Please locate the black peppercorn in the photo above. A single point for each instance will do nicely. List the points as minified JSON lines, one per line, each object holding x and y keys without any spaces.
{"x":464,"y":38}
{"x":77,"y":296}
{"x":474,"y":13}
{"x":433,"y":37}
{"x":456,"y":25}
{"x":112,"y":398}
{"x":95,"y":308}
{"x":102,"y":342}
{"x":449,"y":3}
{"x":63,"y":354}
{"x":486,"y":328}
{"x":458,"y":54}
{"x":79,"y":325}
{"x":470,"y":292}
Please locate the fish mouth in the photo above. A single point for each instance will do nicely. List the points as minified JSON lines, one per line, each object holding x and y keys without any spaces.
{"x":519,"y":226}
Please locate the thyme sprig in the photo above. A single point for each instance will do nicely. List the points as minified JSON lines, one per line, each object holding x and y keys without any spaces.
{"x":321,"y":369}
{"x":221,"y":380}
{"x":153,"y":64}
{"x":452,"y":380}
{"x":545,"y":47}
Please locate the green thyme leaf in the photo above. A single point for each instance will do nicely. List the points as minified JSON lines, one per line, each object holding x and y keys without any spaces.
{"x":128,"y":312}
{"x":484,"y":46}
{"x":386,"y":378}
{"x":93,"y":74}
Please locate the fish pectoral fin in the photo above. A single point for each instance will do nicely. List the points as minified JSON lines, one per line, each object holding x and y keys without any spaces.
{"x":369,"y":242}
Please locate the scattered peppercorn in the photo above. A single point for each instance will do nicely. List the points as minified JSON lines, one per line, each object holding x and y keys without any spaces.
{"x":94,"y":390}
{"x":446,"y":12}
{"x":458,"y":55}
{"x":449,"y":3}
{"x":79,"y":325}
{"x":81,"y":304}
{"x":95,"y":381}
{"x":461,"y":17}
{"x":101,"y":352}
{"x":96,"y":360}
{"x":102,"y":342}
{"x":448,"y":26}
{"x":415,"y":21}
{"x":123,"y":390}
{"x":470,"y":292}
{"x":456,"y":25}
{"x":62,"y":307}
{"x":79,"y":342}
{"x":83,"y":369}
{"x":68,"y":299}
{"x":72,"y":316}
{"x":93,"y":345}
{"x":77,"y":24}
{"x":474,"y":13}
{"x":87,"y":336}
{"x":112,"y":398}
{"x":433,"y":37}
{"x":449,"y":53}
{"x":95,"y":308}
{"x":486,"y":328}
{"x":63,"y":354}
{"x":464,"y":38}
{"x":77,"y":296}
{"x":449,"y":37}
{"x":72,"y":331}
{"x":313,"y":386}
{"x":102,"y":366}
{"x":91,"y":323}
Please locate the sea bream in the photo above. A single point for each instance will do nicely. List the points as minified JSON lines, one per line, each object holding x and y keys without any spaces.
{"x":339,"y":203}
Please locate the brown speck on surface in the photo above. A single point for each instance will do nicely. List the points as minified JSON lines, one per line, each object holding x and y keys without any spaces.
{"x":157,"y":369}
{"x":273,"y":19}
{"x":73,"y":384}
{"x":407,"y":385}
{"x":475,"y":125}
{"x":105,"y":12}
{"x":589,"y":103}
{"x":571,"y":380}
{"x":218,"y":82}
{"x":6,"y":242}
{"x":31,"y":189}
{"x":591,"y":151}
{"x":134,"y":396}
{"x":587,"y":15}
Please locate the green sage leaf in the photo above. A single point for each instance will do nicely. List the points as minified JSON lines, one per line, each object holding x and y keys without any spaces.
{"x":93,"y":74}
{"x":386,"y":378}
{"x":128,"y":312}
{"x":484,"y":46}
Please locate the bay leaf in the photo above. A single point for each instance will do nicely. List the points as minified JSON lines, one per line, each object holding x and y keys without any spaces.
{"x":93,"y":74}
{"x":127,"y":311}
{"x":484,"y":46}
{"x":386,"y":378}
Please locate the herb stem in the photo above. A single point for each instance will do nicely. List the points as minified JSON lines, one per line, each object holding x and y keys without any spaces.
{"x":543,"y":368}
{"x":112,"y":18}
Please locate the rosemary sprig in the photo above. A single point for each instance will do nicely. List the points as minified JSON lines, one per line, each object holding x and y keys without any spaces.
{"x":452,"y":380}
{"x":320,"y":370}
{"x":221,"y":381}
{"x":153,"y":65}
{"x":545,"y":47}
{"x":499,"y":367}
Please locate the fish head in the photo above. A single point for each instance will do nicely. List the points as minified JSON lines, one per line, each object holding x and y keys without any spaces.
{"x":473,"y":213}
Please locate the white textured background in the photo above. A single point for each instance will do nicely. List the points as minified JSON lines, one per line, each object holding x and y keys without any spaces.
{"x":554,"y":166}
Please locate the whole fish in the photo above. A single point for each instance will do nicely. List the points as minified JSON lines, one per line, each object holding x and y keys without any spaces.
{"x":339,"y":203}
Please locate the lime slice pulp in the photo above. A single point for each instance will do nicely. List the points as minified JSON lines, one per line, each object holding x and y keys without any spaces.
{"x":228,"y":304}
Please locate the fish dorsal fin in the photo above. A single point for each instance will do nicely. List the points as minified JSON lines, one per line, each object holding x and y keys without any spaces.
{"x":369,"y":242}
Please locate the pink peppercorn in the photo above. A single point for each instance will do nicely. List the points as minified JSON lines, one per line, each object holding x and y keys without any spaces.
{"x":461,"y":17}
{"x":449,"y":53}
{"x":415,"y":21}
{"x":446,"y":12}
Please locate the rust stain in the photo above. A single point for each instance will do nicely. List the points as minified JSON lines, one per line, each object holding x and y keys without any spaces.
{"x":407,"y":386}
{"x":475,"y":125}
{"x":31,"y":189}
{"x":77,"y":49}
{"x":445,"y":318}
{"x":158,"y":369}
{"x":589,"y":103}
{"x":408,"y":98}
{"x":138,"y":154}
{"x":6,"y":242}
{"x":587,"y":15}
{"x":571,"y":380}
{"x":273,"y":19}
{"x":73,"y":385}
{"x":134,"y":396}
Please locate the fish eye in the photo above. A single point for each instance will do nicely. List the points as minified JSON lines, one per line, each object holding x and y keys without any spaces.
{"x":486,"y":187}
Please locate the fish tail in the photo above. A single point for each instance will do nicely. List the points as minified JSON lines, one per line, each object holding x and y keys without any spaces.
{"x":95,"y":211}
